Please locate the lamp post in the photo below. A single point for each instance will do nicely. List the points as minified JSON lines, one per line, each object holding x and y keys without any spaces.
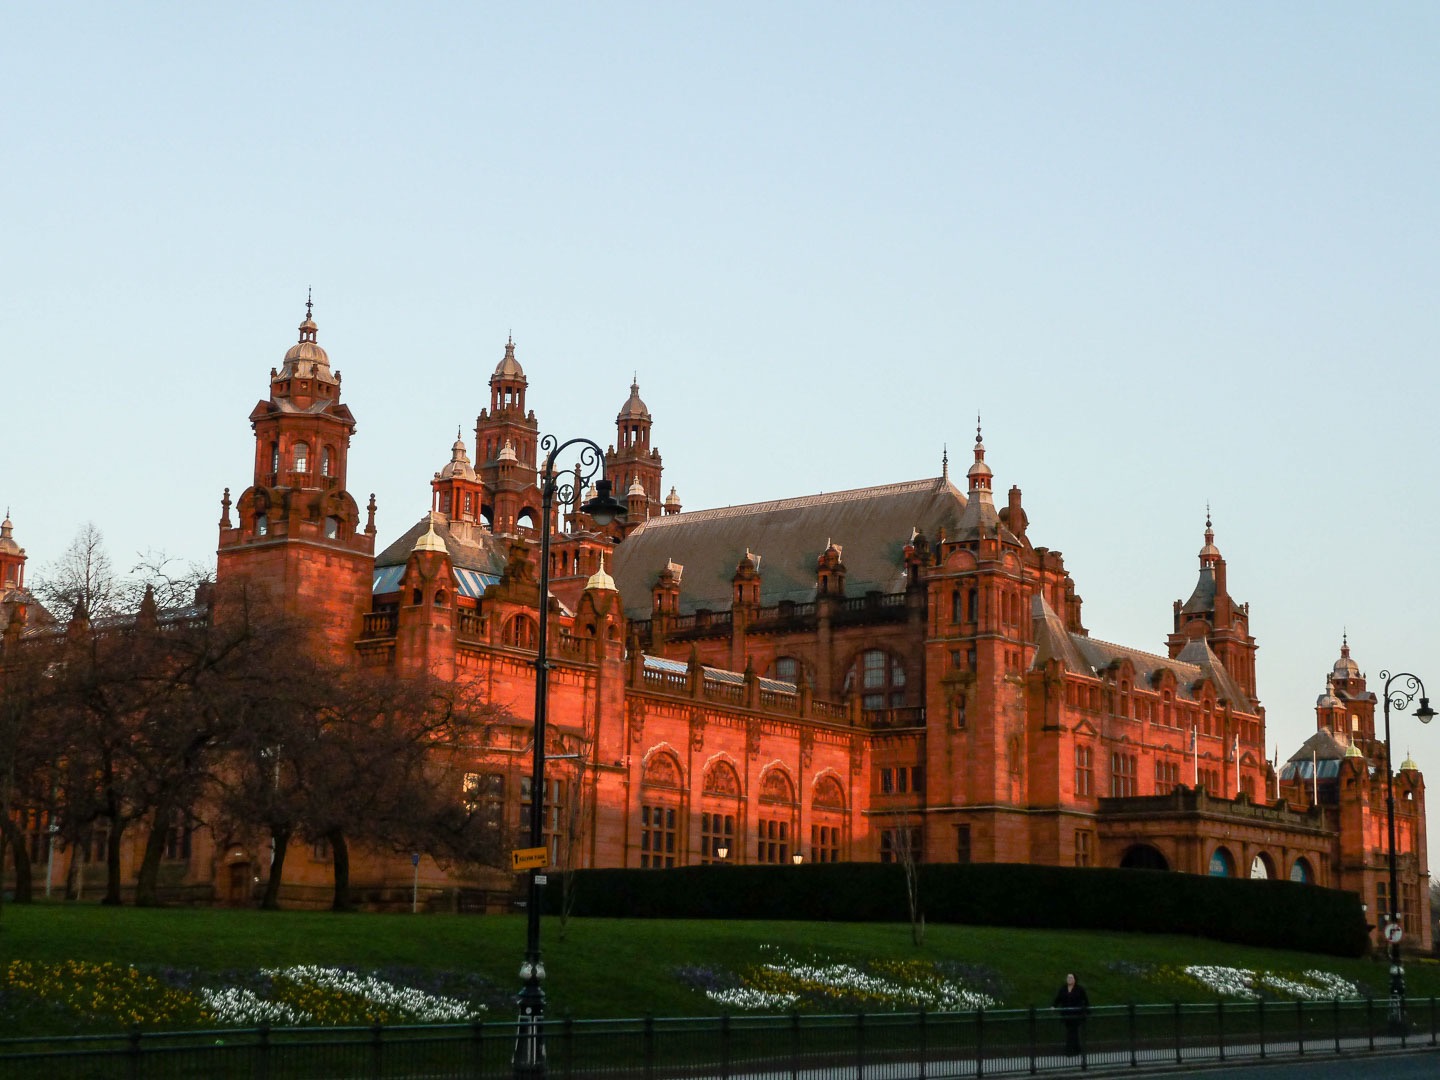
{"x":1400,"y":697}
{"x":529,"y":1061}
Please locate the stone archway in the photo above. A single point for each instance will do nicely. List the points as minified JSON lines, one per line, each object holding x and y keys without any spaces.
{"x":1143,"y":857}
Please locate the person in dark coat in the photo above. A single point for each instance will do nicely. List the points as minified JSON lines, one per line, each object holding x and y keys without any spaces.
{"x":1074,"y":1006}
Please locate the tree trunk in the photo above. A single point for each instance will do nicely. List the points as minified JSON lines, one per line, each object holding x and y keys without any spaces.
{"x":147,"y":891}
{"x":72,"y":872}
{"x":112,"y":862}
{"x":280,"y":837}
{"x":341,"y":855}
{"x":15,"y":840}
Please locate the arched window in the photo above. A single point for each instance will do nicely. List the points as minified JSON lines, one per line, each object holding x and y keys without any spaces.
{"x":520,"y":632}
{"x":274,"y":458}
{"x":327,"y":462}
{"x":785,"y":669}
{"x":1301,"y":871}
{"x":775,"y":831}
{"x":262,"y":525}
{"x":1260,"y":867}
{"x":829,"y":837}
{"x":1222,"y":863}
{"x":332,"y":528}
{"x":880,"y":679}
{"x":660,"y":801}
{"x":439,"y":597}
{"x":302,"y":457}
{"x":719,"y":814}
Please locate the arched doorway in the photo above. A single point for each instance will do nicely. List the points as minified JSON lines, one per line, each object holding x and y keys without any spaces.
{"x":1222,"y":863}
{"x":1143,"y":857}
{"x":1261,"y":866}
{"x":1300,"y":871}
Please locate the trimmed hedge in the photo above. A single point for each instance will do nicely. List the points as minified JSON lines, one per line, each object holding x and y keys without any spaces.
{"x":1276,"y":914}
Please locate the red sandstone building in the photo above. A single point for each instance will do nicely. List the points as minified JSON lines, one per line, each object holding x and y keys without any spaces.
{"x":850,"y":676}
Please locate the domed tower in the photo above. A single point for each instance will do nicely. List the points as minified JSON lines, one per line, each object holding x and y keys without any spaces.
{"x":298,"y":535}
{"x":12,"y":560}
{"x":1350,"y":712}
{"x":456,"y":489}
{"x":506,"y":438}
{"x":1210,"y":615}
{"x":632,"y":459}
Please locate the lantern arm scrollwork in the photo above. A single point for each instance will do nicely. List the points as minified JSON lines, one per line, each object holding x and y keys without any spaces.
{"x":1402,"y":695}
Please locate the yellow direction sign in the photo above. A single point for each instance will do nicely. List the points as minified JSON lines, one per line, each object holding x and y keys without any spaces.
{"x":529,"y":858}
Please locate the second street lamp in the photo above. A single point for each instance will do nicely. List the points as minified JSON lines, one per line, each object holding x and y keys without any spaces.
{"x":529,"y":1061}
{"x":1400,"y":697}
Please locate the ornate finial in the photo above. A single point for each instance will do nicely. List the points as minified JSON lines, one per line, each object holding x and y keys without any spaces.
{"x":945,"y":461}
{"x":309,"y":302}
{"x":1207,"y":513}
{"x":978,"y":439}
{"x":510,"y":336}
{"x":457,"y":432}
{"x":1344,"y":642}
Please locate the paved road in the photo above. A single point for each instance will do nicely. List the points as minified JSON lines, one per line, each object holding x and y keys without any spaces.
{"x":1401,"y":1065}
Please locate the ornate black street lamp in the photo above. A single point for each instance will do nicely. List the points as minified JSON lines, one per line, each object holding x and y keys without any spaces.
{"x":1400,"y":697}
{"x":604,"y":508}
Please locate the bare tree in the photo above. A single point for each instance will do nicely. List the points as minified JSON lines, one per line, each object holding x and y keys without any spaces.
{"x":905,"y":848}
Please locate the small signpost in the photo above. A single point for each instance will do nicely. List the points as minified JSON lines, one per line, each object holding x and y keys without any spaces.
{"x":529,"y":858}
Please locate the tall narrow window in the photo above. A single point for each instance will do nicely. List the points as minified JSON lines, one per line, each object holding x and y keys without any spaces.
{"x":327,"y":462}
{"x":302,"y":457}
{"x":1084,"y":770}
{"x":657,"y":837}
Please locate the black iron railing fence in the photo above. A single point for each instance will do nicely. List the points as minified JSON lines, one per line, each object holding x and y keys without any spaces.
{"x":875,"y":1046}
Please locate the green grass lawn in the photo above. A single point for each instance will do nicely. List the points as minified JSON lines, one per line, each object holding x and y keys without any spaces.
{"x":615,"y":967}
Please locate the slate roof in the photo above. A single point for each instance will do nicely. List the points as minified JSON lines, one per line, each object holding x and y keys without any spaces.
{"x":1087,"y":655}
{"x":1321,"y":751}
{"x":481,"y":552}
{"x":871,"y":525}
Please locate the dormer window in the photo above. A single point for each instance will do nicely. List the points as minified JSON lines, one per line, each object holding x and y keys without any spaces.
{"x":302,"y":457}
{"x":262,"y":525}
{"x":332,"y":528}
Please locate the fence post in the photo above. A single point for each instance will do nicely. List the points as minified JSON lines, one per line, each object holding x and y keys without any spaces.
{"x":1220,"y":1025}
{"x":1179,"y":1056}
{"x":1260,"y":1023}
{"x":1432,"y":1021}
{"x":1034,"y":1039}
{"x":567,"y":1040}
{"x":649,"y":1046}
{"x":1300,"y":1027}
{"x":1369,"y":1022}
{"x":860,"y":1046}
{"x":262,"y":1057}
{"x":477,"y":1046}
{"x":1130,"y":1009}
{"x":924,"y":1034}
{"x":979,"y":1043}
{"x":724,"y":1046}
{"x":377,"y":1051}
{"x":795,"y":1045}
{"x":135,"y":1071}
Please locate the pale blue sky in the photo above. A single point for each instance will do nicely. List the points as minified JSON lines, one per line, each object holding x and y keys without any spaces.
{"x":1173,"y":253}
